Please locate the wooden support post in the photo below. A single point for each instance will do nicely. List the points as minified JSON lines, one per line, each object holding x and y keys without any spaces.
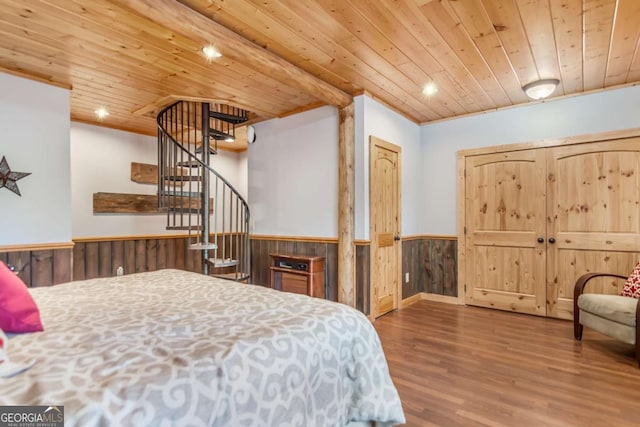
{"x":346,"y":214}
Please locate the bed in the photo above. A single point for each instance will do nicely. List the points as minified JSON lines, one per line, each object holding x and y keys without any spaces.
{"x":173,"y":348}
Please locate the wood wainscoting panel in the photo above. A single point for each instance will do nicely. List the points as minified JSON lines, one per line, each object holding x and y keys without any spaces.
{"x":262,"y":246}
{"x":42,"y":267}
{"x":431,"y":262}
{"x":414,"y":264}
{"x":440,"y":266}
{"x":260,"y":262}
{"x":331,"y":269}
{"x":363,"y":282}
{"x":92,"y":259}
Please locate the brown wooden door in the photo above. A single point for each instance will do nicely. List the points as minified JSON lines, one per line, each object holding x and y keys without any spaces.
{"x":593,"y":215}
{"x":505,"y":217}
{"x":384,"y":230}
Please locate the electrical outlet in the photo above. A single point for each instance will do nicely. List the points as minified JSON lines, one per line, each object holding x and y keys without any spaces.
{"x":120,"y":271}
{"x":406,"y":277}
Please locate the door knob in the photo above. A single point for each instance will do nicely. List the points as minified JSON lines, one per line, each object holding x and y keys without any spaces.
{"x":396,"y":238}
{"x":540,"y":239}
{"x":552,"y":240}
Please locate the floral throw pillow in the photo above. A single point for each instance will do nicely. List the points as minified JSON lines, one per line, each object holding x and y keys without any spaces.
{"x":632,"y":285}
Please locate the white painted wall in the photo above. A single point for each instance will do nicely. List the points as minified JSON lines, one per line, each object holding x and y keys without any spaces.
{"x":34,"y":123}
{"x":382,"y":122}
{"x":101,"y":162}
{"x":598,"y":112}
{"x":242,"y":174}
{"x":293,"y":175}
{"x":293,"y":171}
{"x":290,"y":174}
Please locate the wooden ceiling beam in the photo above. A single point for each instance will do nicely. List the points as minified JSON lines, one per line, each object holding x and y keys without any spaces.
{"x":190,"y":23}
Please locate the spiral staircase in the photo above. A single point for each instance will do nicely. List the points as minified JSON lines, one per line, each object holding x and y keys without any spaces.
{"x":196,"y":198}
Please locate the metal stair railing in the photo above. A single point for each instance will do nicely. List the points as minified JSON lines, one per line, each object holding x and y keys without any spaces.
{"x":186,"y":182}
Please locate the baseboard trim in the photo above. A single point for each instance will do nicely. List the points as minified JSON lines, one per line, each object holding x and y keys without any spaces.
{"x":425,"y":296}
{"x":440,"y":298}
{"x":410,"y":301}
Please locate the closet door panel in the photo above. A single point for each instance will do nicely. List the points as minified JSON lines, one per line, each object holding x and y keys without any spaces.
{"x":505,"y":217}
{"x":593,"y":213}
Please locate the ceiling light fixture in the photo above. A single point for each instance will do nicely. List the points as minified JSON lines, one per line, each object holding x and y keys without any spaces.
{"x":101,"y":113}
{"x":210,"y":52}
{"x":541,"y":88}
{"x":430,"y":89}
{"x":229,"y":139}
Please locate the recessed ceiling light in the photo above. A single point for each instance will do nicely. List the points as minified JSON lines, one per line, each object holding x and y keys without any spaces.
{"x":101,"y":113}
{"x":210,"y":52}
{"x":430,"y":89}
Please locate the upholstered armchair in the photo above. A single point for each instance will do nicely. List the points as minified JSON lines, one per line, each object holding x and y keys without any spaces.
{"x":612,"y":315}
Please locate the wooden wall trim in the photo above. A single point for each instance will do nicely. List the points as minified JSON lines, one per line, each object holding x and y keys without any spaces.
{"x":37,"y":247}
{"x":360,"y":242}
{"x":137,"y":237}
{"x":118,"y":238}
{"x":555,"y":142}
{"x":430,"y":237}
{"x":295,"y":238}
{"x":309,"y":239}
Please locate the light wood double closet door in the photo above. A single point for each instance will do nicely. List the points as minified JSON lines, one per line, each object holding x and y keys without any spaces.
{"x":538,"y":219}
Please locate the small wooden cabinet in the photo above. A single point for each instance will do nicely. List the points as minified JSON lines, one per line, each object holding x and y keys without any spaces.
{"x":298,"y":274}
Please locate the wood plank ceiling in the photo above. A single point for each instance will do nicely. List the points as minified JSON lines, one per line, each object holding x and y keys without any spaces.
{"x":478,"y":52}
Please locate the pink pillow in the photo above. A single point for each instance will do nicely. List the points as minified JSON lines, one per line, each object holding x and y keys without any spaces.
{"x":632,"y":285}
{"x":18,"y":310}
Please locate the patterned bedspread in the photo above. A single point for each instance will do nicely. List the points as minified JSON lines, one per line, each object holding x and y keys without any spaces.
{"x":171,"y":348}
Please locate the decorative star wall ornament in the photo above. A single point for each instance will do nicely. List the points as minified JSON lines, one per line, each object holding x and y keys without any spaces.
{"x":8,"y":178}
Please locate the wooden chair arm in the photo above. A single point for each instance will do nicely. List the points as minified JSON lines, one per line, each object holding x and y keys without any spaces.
{"x":577,"y":291}
{"x":582,"y":282}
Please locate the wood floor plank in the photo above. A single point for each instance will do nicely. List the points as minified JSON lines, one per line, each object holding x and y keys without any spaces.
{"x":470,"y":366}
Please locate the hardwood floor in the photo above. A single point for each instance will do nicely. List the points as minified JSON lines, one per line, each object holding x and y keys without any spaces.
{"x":469,"y":366}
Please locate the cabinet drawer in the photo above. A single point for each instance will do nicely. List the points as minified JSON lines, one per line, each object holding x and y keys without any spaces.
{"x":294,"y":283}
